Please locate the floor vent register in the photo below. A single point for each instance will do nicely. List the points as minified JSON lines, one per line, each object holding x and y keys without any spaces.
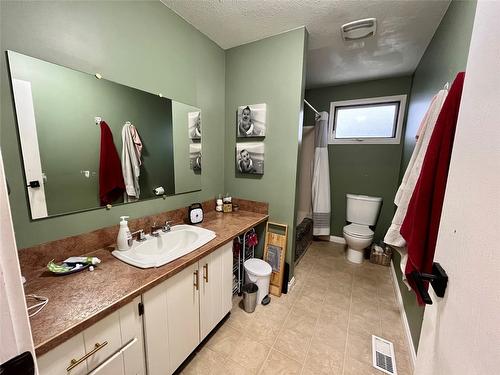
{"x":383,"y":355}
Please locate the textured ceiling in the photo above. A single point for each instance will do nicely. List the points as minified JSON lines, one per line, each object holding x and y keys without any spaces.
{"x":404,"y":29}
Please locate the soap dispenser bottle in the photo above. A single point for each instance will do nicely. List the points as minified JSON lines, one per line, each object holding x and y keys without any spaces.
{"x":122,"y":241}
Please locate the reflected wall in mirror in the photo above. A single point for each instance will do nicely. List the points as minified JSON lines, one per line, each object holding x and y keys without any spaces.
{"x":60,"y":115}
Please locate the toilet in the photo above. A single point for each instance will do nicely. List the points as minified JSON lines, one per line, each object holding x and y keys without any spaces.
{"x":362,"y":212}
{"x":258,"y":272}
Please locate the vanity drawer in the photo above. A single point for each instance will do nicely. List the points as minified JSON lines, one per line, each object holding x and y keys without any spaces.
{"x":116,"y":364}
{"x":58,"y":360}
{"x":114,"y":345}
{"x":104,"y":339}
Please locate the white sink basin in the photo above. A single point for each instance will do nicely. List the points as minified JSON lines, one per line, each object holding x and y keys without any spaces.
{"x":166,"y":247}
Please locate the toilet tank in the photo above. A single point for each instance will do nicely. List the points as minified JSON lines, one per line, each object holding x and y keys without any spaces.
{"x":362,"y":209}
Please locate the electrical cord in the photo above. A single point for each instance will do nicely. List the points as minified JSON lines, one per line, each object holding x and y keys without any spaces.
{"x":41,"y":303}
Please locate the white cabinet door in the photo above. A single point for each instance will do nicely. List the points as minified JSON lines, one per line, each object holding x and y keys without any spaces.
{"x":210,"y":294}
{"x":227,"y":278}
{"x":181,"y":311}
{"x":171,"y":321}
{"x":215,"y":288}
{"x":58,"y":359}
{"x":156,"y":330}
{"x":131,"y":328}
{"x":105,"y":334}
{"x":183,"y":314}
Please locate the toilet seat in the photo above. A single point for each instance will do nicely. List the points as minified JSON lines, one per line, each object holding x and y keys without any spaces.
{"x":358,"y":231}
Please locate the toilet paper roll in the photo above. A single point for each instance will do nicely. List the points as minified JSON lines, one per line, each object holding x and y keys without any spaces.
{"x":159,"y":190}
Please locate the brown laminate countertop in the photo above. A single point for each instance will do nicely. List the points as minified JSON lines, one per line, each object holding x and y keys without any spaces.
{"x":79,"y":300}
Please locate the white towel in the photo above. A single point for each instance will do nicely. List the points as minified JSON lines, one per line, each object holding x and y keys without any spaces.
{"x":131,"y":161}
{"x":405,"y":191}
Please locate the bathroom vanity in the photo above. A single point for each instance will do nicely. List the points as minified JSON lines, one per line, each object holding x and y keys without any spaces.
{"x":120,"y":319}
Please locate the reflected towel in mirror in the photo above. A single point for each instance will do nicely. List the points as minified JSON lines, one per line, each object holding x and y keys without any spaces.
{"x":131,"y":161}
{"x":111,"y":185}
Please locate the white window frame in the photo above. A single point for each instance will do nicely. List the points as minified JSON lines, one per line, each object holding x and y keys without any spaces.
{"x":370,"y":140}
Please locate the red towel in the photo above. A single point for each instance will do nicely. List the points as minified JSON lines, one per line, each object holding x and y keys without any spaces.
{"x":421,"y":224}
{"x":111,"y":185}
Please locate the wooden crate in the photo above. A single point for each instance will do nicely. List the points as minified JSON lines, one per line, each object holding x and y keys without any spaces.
{"x":274,"y":254}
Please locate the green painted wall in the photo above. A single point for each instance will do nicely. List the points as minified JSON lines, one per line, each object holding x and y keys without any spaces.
{"x":141,"y":44}
{"x":268,"y":71}
{"x":445,"y":56}
{"x":361,"y":169}
{"x":66,"y":102}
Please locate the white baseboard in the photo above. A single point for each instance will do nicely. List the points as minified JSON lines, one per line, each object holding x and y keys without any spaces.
{"x":406,"y":326}
{"x":291,"y":284}
{"x":337,"y":239}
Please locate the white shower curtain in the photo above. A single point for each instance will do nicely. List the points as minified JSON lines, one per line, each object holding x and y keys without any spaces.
{"x":321,"y":179}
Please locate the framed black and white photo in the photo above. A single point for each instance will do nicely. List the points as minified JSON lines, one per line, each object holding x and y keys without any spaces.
{"x":194,"y":125}
{"x":195,"y":156}
{"x":250,"y":157}
{"x":251,"y":120}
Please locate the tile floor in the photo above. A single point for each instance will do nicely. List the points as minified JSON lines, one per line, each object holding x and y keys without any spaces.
{"x":323,"y":326}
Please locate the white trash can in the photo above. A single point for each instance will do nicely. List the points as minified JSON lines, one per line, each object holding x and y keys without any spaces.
{"x":259,"y":272}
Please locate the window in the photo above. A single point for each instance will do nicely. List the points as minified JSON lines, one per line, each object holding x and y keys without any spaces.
{"x":368,"y":121}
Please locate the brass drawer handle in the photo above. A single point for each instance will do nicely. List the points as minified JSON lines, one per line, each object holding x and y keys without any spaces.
{"x":197,"y":280}
{"x":205,"y":272}
{"x":76,"y":362}
{"x":110,"y":359}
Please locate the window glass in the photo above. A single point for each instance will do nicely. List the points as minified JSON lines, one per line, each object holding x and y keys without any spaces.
{"x":366,"y":121}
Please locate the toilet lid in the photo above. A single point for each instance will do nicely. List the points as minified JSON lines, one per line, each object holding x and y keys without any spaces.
{"x":358,"y":230}
{"x":257,"y":267}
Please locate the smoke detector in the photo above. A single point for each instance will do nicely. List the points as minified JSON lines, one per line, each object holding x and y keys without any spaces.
{"x":359,"y":29}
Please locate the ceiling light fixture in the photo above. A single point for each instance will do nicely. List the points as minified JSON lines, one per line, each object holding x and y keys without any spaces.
{"x":359,"y":29}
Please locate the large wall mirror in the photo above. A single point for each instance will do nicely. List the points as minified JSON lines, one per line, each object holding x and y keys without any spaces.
{"x":88,"y":142}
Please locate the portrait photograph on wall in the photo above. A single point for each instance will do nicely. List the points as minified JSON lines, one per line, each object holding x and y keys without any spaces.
{"x":251,"y":120}
{"x":195,"y":156}
{"x":250,"y":158}
{"x":194,"y":125}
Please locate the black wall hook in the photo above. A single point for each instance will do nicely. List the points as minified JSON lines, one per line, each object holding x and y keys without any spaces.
{"x":438,"y":280}
{"x":34,"y":184}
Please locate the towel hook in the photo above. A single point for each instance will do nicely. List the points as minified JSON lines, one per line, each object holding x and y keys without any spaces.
{"x":97,"y":120}
{"x":438,"y":279}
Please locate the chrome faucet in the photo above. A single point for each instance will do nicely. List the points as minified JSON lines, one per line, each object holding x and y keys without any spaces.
{"x":167,"y":227}
{"x":155,"y":228}
{"x":141,"y":236}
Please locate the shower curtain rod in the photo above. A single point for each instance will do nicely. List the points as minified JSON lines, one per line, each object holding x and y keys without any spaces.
{"x":310,"y":106}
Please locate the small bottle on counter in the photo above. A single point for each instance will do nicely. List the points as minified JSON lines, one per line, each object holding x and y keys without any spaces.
{"x":228,"y":206}
{"x":219,"y":204}
{"x":122,"y":241}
